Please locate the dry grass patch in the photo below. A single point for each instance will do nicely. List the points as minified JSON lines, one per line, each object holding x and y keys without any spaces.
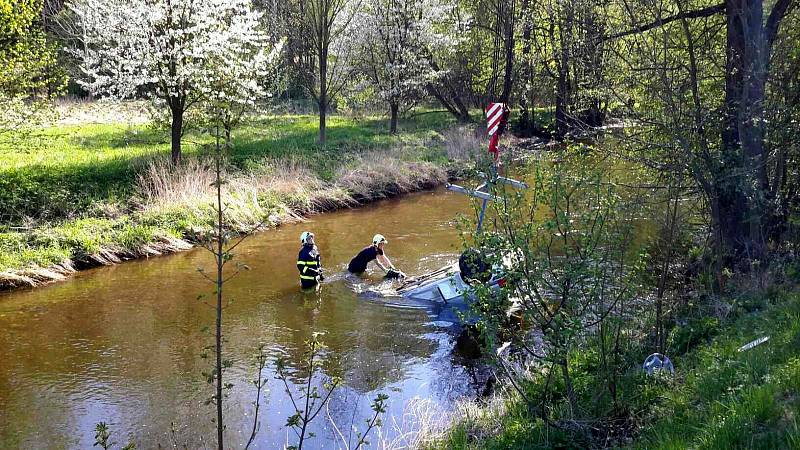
{"x":379,"y":176}
{"x":464,"y":143}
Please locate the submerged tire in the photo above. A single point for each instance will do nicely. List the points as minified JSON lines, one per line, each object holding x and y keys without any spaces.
{"x":468,"y":343}
{"x":474,"y":266}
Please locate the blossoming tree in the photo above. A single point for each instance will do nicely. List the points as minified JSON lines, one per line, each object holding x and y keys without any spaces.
{"x":28,"y":66}
{"x":398,"y":39}
{"x":177,"y":52}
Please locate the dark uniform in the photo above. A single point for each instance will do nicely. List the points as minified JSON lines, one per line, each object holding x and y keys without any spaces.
{"x":308,"y":263}
{"x":359,"y":263}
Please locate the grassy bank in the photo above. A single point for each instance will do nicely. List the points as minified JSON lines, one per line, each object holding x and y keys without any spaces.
{"x":75,"y":196}
{"x":720,"y":397}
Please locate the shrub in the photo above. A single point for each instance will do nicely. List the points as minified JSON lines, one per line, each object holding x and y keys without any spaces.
{"x":696,"y":331}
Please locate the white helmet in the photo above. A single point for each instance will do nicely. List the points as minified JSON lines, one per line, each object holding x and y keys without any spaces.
{"x":305,"y":235}
{"x":378,"y":238}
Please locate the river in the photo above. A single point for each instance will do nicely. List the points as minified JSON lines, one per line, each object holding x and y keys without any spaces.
{"x":122,"y":344}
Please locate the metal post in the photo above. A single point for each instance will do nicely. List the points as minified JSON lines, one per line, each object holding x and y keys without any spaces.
{"x":496,"y":116}
{"x":480,"y":219}
{"x":488,"y":183}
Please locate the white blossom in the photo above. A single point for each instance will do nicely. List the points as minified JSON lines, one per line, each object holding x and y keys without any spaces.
{"x":398,"y":38}
{"x":179,"y":51}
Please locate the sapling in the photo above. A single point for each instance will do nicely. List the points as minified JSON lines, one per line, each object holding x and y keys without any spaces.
{"x":221,"y":245}
{"x":311,"y":402}
{"x":102,"y":438}
{"x":311,"y":399}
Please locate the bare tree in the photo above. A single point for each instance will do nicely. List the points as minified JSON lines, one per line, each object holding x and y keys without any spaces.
{"x":322,"y":50}
{"x":567,"y":38}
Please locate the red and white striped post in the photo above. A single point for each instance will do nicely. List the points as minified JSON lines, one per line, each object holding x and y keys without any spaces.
{"x":496,"y":119}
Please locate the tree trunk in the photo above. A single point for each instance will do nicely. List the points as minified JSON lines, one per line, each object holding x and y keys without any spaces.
{"x":742,"y":183}
{"x":527,"y":119}
{"x":573,"y":401}
{"x":176,"y":131}
{"x":456,"y":107}
{"x":218,"y":332}
{"x":322,"y":126}
{"x":393,"y":107}
{"x":508,"y":40}
{"x":323,"y":93}
{"x":561,"y":102}
{"x":461,"y":108}
{"x":323,"y":112}
{"x":562,"y":87}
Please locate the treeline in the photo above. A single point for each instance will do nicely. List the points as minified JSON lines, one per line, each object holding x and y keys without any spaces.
{"x":708,"y":92}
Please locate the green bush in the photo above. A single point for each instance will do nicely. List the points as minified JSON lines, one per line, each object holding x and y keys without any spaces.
{"x":696,"y":331}
{"x":720,"y":398}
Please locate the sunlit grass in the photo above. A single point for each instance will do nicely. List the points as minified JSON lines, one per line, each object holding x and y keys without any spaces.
{"x":731,"y":399}
{"x":65,"y":171}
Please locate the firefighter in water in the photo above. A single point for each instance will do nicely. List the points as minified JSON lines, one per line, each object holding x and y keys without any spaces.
{"x":375,"y":253}
{"x":308,"y":262}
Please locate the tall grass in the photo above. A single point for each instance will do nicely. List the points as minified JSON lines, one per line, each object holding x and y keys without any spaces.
{"x":278,"y":190}
{"x":161,"y":184}
{"x":422,"y":422}
{"x":379,"y":175}
{"x":284,"y":184}
{"x":464,"y":143}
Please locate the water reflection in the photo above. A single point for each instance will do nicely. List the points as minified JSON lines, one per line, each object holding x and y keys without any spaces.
{"x":122,"y":344}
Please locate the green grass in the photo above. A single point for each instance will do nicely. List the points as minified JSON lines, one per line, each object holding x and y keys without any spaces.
{"x":720,"y":398}
{"x":77,"y":240}
{"x":726,"y":399}
{"x":65,"y":171}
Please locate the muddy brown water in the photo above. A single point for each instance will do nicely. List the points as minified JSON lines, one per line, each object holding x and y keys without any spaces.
{"x":123,"y":344}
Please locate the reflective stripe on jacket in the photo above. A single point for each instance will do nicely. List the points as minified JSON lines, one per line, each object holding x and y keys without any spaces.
{"x":308,"y":262}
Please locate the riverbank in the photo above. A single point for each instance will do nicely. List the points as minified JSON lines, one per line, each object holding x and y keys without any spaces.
{"x":721,"y":397}
{"x":78,"y":196}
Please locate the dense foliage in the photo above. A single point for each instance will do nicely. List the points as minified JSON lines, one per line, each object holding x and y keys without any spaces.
{"x":28,"y":68}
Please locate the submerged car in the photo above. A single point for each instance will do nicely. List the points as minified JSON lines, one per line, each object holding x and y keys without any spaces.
{"x":454,"y":284}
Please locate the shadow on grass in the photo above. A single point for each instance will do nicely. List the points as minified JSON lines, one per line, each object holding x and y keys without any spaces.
{"x":97,"y":168}
{"x":132,"y":137}
{"x":44,"y":192}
